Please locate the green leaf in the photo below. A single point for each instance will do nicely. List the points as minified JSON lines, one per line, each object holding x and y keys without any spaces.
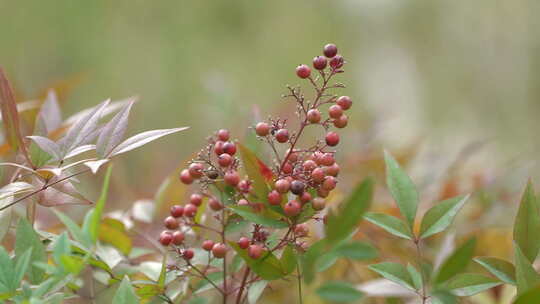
{"x":338,"y":291}
{"x":255,"y":291}
{"x":252,"y":165}
{"x":94,"y":222}
{"x":204,"y":284}
{"x":468,"y":284}
{"x":402,"y":189}
{"x":113,"y":232}
{"x":443,"y":297}
{"x":28,"y":238}
{"x":7,"y":272}
{"x":309,"y":260}
{"x":74,"y":229}
{"x":531,"y":296}
{"x":456,"y":262}
{"x":61,"y":247}
{"x":526,"y":277}
{"x":527,"y":224}
{"x":268,"y":266}
{"x":21,"y":267}
{"x":391,"y":224}
{"x":502,"y":269}
{"x":394,"y":272}
{"x":357,"y":251}
{"x":415,"y":276}
{"x":163,"y":272}
{"x":246,"y":213}
{"x":288,"y":259}
{"x":125,"y":293}
{"x":344,"y":221}
{"x":440,"y":216}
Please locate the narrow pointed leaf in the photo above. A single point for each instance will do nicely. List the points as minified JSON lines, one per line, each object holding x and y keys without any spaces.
{"x":255,"y":291}
{"x":526,"y":277}
{"x":357,"y":251}
{"x":253,"y":169}
{"x":21,"y":266}
{"x":95,"y":219}
{"x":125,"y":293}
{"x":531,"y":296}
{"x":440,"y":216}
{"x":402,"y":189}
{"x":267,"y":266}
{"x":288,"y":260}
{"x":457,"y":262}
{"x":47,"y":145}
{"x":503,"y":270}
{"x":50,"y":115}
{"x":527,"y":224}
{"x":338,"y":292}
{"x":247,"y":214}
{"x":28,"y":238}
{"x":390,"y":223}
{"x":394,"y":272}
{"x":112,"y":134}
{"x":415,"y":276}
{"x":142,"y":139}
{"x":74,"y":229}
{"x":468,"y":284}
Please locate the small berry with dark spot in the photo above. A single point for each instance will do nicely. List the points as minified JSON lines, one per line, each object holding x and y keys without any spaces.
{"x":292,"y":208}
{"x":232,"y":178}
{"x":332,"y":139}
{"x":178,"y":238}
{"x":274,"y":198}
{"x":185,"y":177}
{"x":330,"y":50}
{"x":282,"y":135}
{"x":196,"y":199}
{"x":225,"y":160}
{"x":165,"y":238}
{"x":255,"y":251}
{"x":170,"y":223}
{"x":223,"y":135}
{"x":188,"y":254}
{"x":319,"y":62}
{"x":262,"y":129}
{"x":303,"y":71}
{"x":219,"y":250}
{"x":190,"y":210}
{"x":207,"y":245}
{"x":196,"y":170}
{"x":282,"y":185}
{"x":297,"y":187}
{"x":345,"y":102}
{"x":314,"y":116}
{"x":243,"y":242}
{"x":177,"y":211}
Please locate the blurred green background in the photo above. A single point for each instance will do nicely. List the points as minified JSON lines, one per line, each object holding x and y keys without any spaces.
{"x":447,"y":72}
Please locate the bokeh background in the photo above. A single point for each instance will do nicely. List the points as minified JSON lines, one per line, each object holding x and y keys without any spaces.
{"x":451,"y":86}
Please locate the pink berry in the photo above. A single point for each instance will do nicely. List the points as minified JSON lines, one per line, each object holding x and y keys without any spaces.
{"x":243,"y":242}
{"x":319,"y":62}
{"x":177,"y":211}
{"x":345,"y":102}
{"x":293,"y":156}
{"x":309,"y":165}
{"x":177,"y":238}
{"x":170,"y":223}
{"x":332,"y":170}
{"x":196,"y":199}
{"x":190,"y":210}
{"x":185,"y":177}
{"x":207,"y":245}
{"x":188,"y":254}
{"x":329,"y":183}
{"x":303,"y":71}
{"x":282,"y":185}
{"x":282,"y":135}
{"x":314,"y":116}
{"x":255,"y":251}
{"x":330,"y":50}
{"x":244,"y":186}
{"x":305,"y":197}
{"x":196,"y":170}
{"x":232,"y":178}
{"x":297,"y":187}
{"x":219,"y":250}
{"x":165,"y":238}
{"x":287,"y":168}
{"x":336,"y":62}
{"x":223,"y":135}
{"x":274,"y":198}
{"x":225,"y":160}
{"x":335,"y":111}
{"x":218,"y":147}
{"x":262,"y":129}
{"x":242,"y":202}
{"x":292,"y":208}
{"x":214,"y":204}
{"x":341,"y":122}
{"x":317,"y":156}
{"x":322,"y":192}
{"x":318,"y":175}
{"x":327,"y":159}
{"x":332,"y":139}
{"x":229,"y":148}
{"x":301,"y":230}
{"x":318,"y":203}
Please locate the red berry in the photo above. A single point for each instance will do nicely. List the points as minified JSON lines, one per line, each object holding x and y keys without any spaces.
{"x":287,"y":168}
{"x":188,"y":254}
{"x":293,"y":156}
{"x":319,"y":62}
{"x":232,"y":178}
{"x":336,"y":62}
{"x":329,"y":183}
{"x":314,"y":116}
{"x":332,"y":170}
{"x":177,"y":211}
{"x":274,"y":198}
{"x":218,"y":147}
{"x":207,"y":245}
{"x":344,"y":102}
{"x":165,"y":238}
{"x":229,"y":148}
{"x":243,"y":242}
{"x":282,"y":135}
{"x":255,"y":251}
{"x":262,"y":129}
{"x":170,"y":223}
{"x":309,"y":165}
{"x":327,"y":159}
{"x":243,"y":202}
{"x":282,"y":185}
{"x":196,"y":199}
{"x":303,"y":71}
{"x":292,"y":208}
{"x":219,"y":250}
{"x":318,"y":175}
{"x":341,"y":122}
{"x":317,"y":156}
{"x":223,"y":135}
{"x":177,"y":238}
{"x":301,"y":230}
{"x":335,"y":111}
{"x":225,"y":160}
{"x":196,"y":170}
{"x":305,"y":197}
{"x":330,"y":50}
{"x":214,"y":204}
{"x":244,"y":186}
{"x":332,"y":139}
{"x":322,"y":192}
{"x":318,"y":203}
{"x":185,"y":177}
{"x":297,"y":187}
{"x":190,"y":210}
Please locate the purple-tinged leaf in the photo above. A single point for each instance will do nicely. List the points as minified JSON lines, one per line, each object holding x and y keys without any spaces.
{"x":142,"y":139}
{"x":113,"y":132}
{"x":79,"y":150}
{"x":84,"y":128}
{"x":50,"y":115}
{"x":94,"y":165}
{"x":62,"y":194}
{"x":47,"y":145}
{"x":18,"y":166}
{"x":111,"y":108}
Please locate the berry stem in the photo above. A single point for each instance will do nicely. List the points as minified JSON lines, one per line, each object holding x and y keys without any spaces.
{"x":243,"y":285}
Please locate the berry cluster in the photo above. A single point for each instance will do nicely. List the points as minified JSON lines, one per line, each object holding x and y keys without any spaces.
{"x":300,"y":178}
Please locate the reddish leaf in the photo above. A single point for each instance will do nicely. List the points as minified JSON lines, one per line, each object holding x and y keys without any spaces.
{"x":265,"y":171}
